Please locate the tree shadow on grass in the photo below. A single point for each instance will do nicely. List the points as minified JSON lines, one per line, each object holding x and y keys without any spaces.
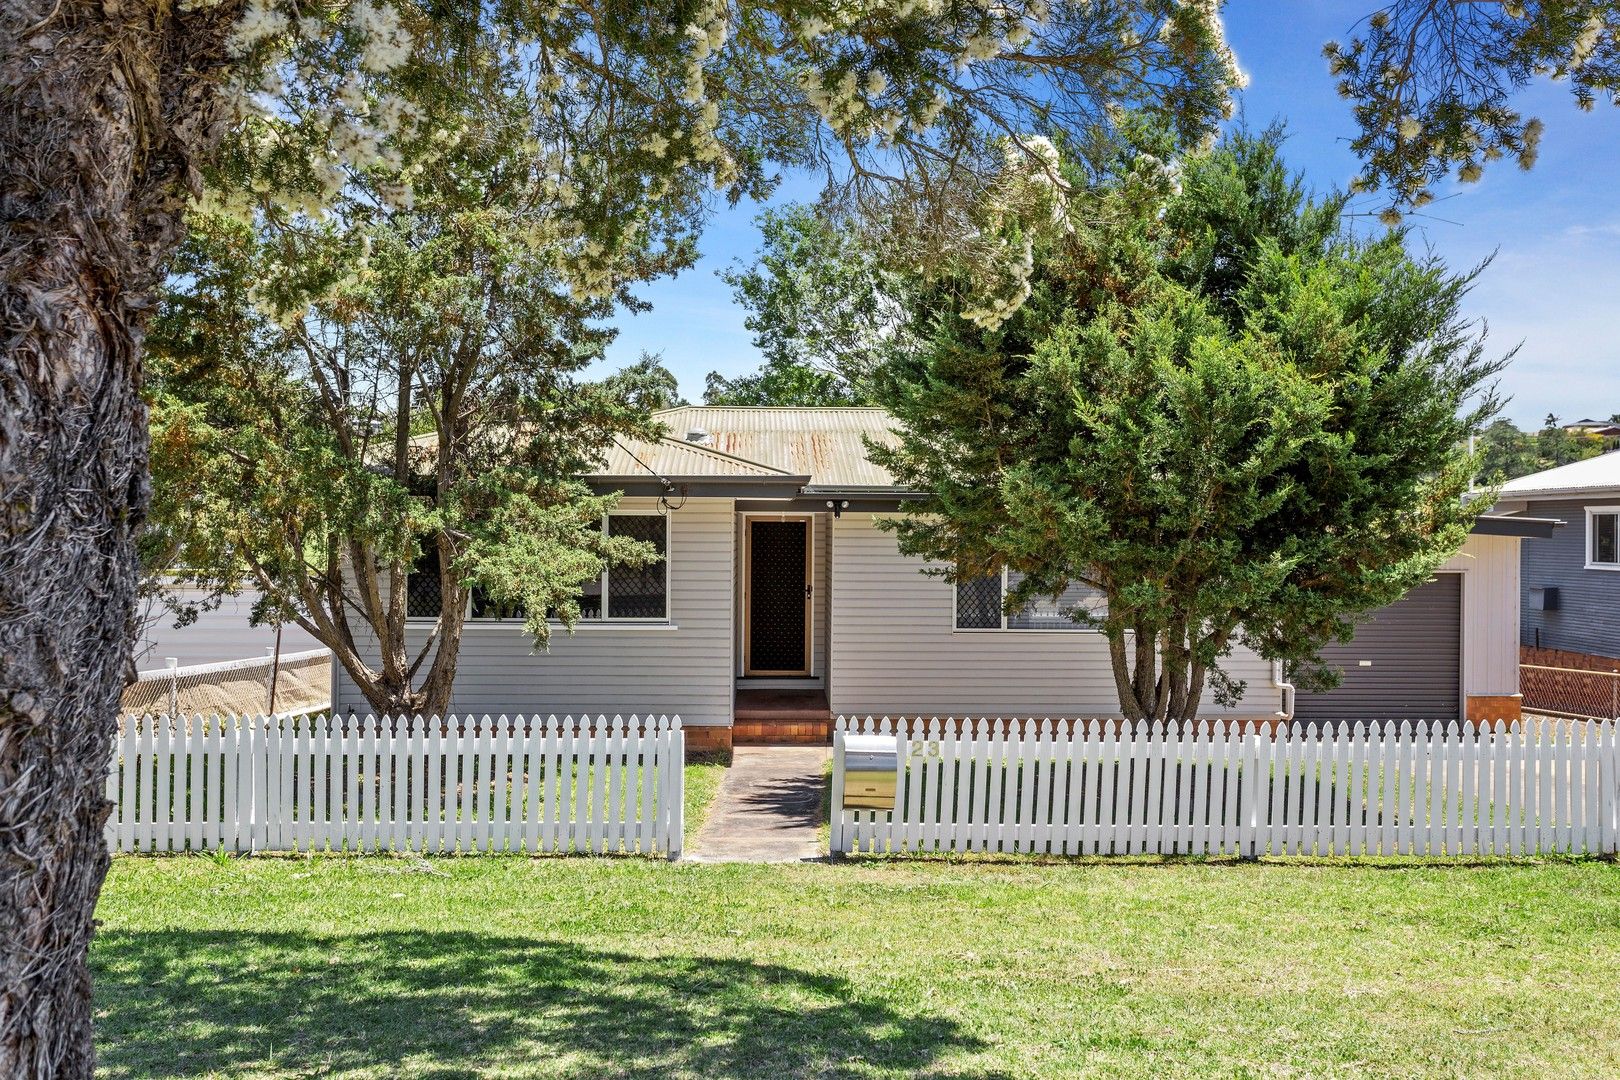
{"x":180,"y":1003}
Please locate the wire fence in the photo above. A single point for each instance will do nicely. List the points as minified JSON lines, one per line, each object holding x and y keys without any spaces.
{"x":1584,"y":693}
{"x":297,"y":683}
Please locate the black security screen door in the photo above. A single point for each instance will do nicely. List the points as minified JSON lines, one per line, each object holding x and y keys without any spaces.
{"x":777,"y":597}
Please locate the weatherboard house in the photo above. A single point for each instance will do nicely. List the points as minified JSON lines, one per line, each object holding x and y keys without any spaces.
{"x":779,"y":603}
{"x":1570,"y":585}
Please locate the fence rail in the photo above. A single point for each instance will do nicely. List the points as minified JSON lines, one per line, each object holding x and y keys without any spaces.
{"x":467,"y":784}
{"x":1103,"y":787}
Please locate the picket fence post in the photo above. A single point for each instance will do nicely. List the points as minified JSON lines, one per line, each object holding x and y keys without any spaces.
{"x":677,"y":774}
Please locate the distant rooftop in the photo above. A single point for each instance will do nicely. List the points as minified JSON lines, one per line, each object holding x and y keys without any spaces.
{"x":1595,"y":475}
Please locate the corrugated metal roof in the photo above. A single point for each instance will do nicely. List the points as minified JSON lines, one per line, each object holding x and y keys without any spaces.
{"x":674,"y":457}
{"x":1595,"y":475}
{"x":824,"y":443}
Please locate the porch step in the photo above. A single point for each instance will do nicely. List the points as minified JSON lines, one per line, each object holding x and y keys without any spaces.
{"x":781,"y":717}
{"x":779,"y":732}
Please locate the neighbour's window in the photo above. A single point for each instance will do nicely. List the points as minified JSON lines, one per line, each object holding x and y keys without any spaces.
{"x":979,"y":606}
{"x":1603,"y":536}
{"x":629,"y":592}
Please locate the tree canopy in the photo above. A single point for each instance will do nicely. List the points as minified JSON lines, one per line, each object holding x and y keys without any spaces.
{"x":824,"y":309}
{"x":1232,"y":419}
{"x":393,"y":389}
{"x":1433,"y":84}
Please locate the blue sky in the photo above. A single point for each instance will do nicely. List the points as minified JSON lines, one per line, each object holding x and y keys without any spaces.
{"x":1554,"y":285}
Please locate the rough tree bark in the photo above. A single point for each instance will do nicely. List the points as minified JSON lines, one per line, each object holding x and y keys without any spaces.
{"x":1158,"y":675}
{"x":106,"y":109}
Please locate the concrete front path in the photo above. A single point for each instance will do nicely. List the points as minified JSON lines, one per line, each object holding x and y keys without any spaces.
{"x":767,"y":809}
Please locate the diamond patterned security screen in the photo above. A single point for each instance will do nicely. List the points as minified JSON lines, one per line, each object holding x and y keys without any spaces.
{"x":422,"y":584}
{"x":978,"y":603}
{"x":639,"y":592}
{"x":776,"y":596}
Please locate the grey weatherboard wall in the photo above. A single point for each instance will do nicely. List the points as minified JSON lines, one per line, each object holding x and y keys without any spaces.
{"x":1588,"y":615}
{"x":1413,"y":652}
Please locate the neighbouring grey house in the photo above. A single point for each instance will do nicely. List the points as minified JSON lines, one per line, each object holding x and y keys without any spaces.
{"x":780,"y":603}
{"x":220,"y":633}
{"x":1571,"y":583}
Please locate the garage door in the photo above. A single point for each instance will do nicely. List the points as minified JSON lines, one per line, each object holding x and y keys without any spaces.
{"x":1404,"y":664}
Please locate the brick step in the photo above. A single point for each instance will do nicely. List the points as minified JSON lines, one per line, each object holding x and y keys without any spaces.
{"x":792,"y":716}
{"x":780,"y":732}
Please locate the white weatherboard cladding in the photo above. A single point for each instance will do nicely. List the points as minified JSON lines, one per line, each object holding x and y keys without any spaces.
{"x":894,"y":648}
{"x":1490,"y":613}
{"x":680,"y":669}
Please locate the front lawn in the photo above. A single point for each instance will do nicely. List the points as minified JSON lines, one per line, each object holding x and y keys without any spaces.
{"x":508,"y":966}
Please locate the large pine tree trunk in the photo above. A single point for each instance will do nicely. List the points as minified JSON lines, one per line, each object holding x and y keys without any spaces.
{"x":104,"y":110}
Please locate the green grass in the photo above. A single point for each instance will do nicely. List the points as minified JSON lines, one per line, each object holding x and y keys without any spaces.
{"x":506,"y":966}
{"x":704,"y":771}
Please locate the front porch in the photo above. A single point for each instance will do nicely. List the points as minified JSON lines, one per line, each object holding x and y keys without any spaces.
{"x":776,"y":717}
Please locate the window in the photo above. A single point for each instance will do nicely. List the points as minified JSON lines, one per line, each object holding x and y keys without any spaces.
{"x":1603,"y":537}
{"x":625,"y":592}
{"x":422,"y":597}
{"x":638,"y":592}
{"x":978,"y":603}
{"x":979,"y":606}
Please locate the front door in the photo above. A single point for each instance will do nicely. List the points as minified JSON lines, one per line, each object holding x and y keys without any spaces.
{"x":776,"y":601}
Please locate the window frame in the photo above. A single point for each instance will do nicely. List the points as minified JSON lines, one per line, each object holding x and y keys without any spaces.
{"x":1592,"y":513}
{"x":607,"y":573}
{"x":1004,"y":628}
{"x":468,"y":619}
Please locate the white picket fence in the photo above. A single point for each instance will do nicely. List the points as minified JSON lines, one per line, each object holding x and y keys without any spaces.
{"x":467,"y":784}
{"x":1532,"y":787}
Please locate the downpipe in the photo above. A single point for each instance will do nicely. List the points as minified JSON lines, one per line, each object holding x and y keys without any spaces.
{"x":1286,"y":713}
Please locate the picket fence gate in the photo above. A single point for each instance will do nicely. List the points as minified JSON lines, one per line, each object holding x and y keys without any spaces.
{"x":349,"y":783}
{"x":1223,"y":788}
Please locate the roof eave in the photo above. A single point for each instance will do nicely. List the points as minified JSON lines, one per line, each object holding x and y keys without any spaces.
{"x":1513,"y":525}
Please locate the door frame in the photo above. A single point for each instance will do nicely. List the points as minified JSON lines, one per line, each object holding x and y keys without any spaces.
{"x":809,"y":520}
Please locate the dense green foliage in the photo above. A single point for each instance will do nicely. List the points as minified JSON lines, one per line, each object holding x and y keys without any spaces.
{"x":415,"y":231}
{"x":334,"y":396}
{"x":1237,"y":421}
{"x":1505,"y":452}
{"x":824,"y":311}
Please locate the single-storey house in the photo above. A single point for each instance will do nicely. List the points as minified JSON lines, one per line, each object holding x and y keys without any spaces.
{"x":780,"y":604}
{"x":1570,"y":585}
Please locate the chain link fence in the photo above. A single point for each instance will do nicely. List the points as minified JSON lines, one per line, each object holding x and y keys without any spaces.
{"x":299,"y":682}
{"x":1585,"y":693}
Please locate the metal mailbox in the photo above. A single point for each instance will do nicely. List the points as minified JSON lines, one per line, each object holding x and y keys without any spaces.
{"x":871,"y":767}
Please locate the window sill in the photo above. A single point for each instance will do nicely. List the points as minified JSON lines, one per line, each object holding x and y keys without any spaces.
{"x":1023,"y":630}
{"x":583,"y":626}
{"x":1602,"y":566}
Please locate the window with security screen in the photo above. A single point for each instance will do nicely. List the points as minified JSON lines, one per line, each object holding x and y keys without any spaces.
{"x":979,"y":606}
{"x":623,"y":592}
{"x":1058,"y":612}
{"x":978,"y":603}
{"x":422,"y":597}
{"x":639,"y":592}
